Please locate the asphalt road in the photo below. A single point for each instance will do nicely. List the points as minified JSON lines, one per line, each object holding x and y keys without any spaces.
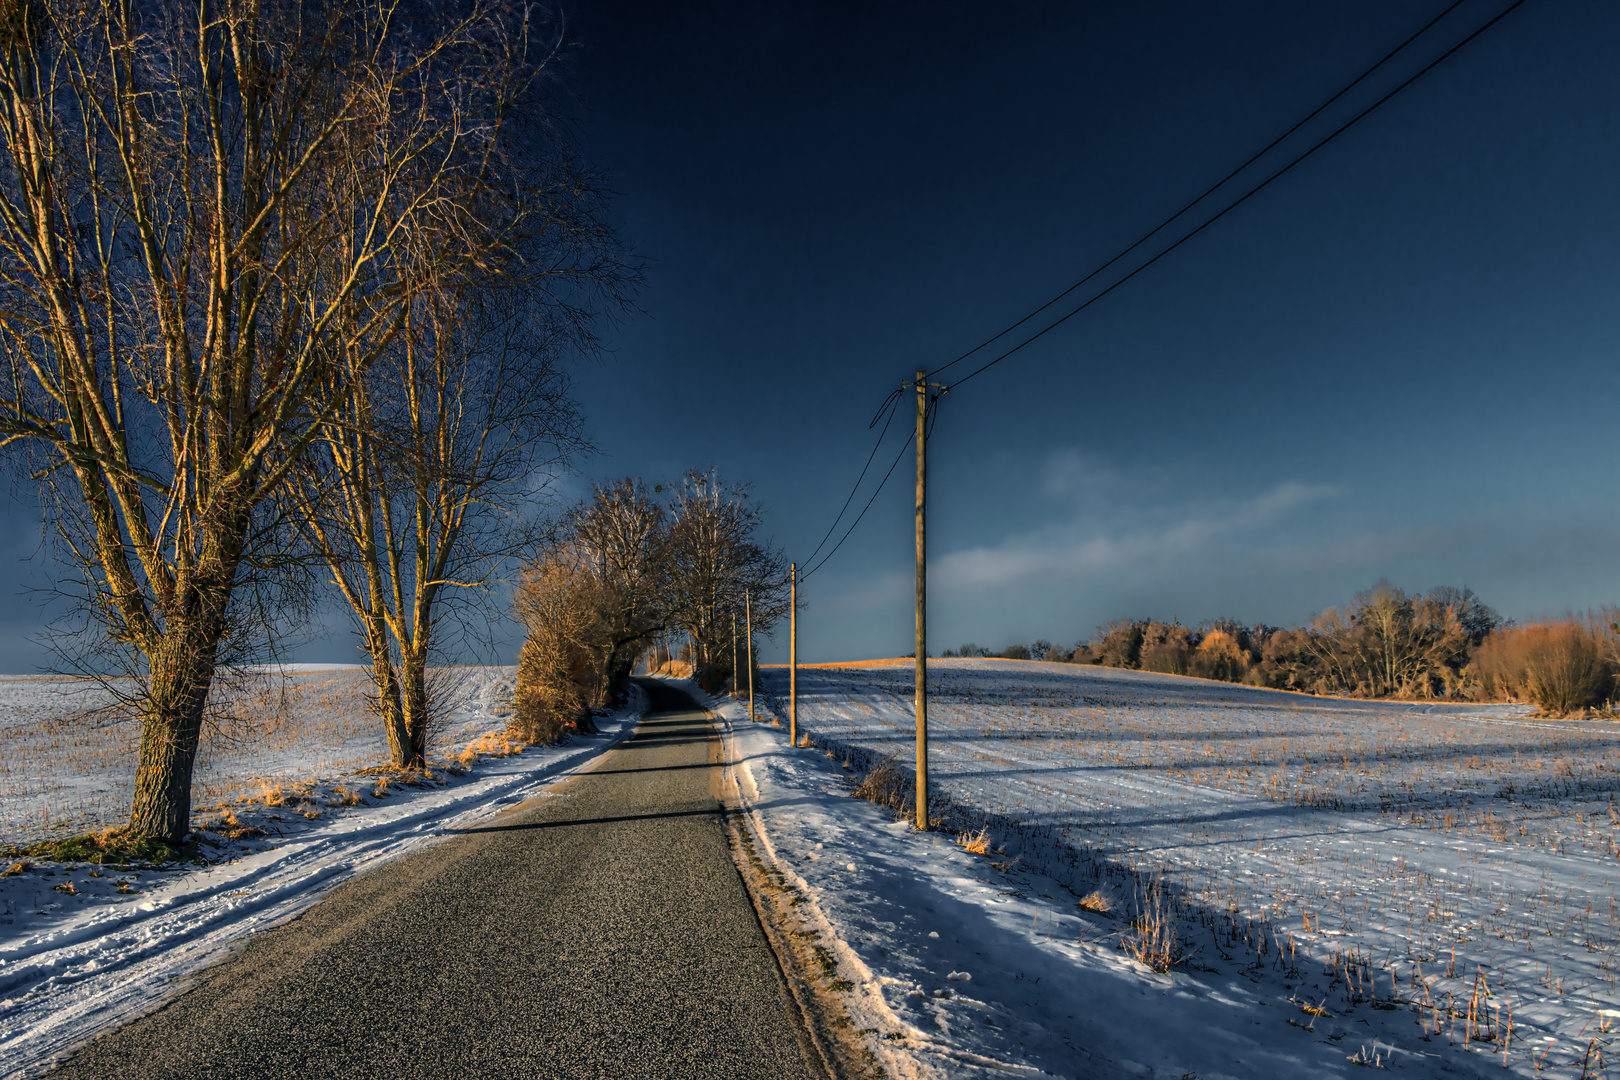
{"x":603,"y":932}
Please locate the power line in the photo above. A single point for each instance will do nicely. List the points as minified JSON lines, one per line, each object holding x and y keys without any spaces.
{"x":1222,"y":182}
{"x":862,"y":514}
{"x":891,"y":403}
{"x":933,"y":403}
{"x":1347,"y":125}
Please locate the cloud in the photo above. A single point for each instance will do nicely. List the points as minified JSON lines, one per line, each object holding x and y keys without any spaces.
{"x":1073,"y":471}
{"x":1124,"y":541}
{"x":1144,"y":540}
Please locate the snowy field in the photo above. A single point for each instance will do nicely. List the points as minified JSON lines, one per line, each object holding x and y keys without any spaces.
{"x":85,"y":948}
{"x":1426,"y":888}
{"x":67,"y":761}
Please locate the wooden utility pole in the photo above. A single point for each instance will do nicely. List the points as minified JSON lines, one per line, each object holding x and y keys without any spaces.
{"x":793,"y":654}
{"x":734,"y":686}
{"x":922,"y":605}
{"x":748,"y":618}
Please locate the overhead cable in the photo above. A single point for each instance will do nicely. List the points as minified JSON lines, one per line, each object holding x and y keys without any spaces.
{"x":1251,"y":193}
{"x":891,"y":403}
{"x":892,"y":465}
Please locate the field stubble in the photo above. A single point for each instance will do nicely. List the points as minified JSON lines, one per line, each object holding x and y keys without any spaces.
{"x":1458,"y":862}
{"x":67,"y":760}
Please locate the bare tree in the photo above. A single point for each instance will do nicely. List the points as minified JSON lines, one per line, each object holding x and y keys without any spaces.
{"x":423,"y":488}
{"x":205,"y":212}
{"x":716,"y":558}
{"x":1388,"y":642}
{"x":623,"y":536}
{"x":593,"y":600}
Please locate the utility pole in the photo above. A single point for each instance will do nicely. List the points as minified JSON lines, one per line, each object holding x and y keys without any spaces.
{"x":733,"y":652}
{"x":748,"y":616}
{"x":793,"y":654}
{"x":922,"y":605}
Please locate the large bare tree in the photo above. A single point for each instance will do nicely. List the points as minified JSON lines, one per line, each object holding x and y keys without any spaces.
{"x":205,"y":209}
{"x":425,"y":485}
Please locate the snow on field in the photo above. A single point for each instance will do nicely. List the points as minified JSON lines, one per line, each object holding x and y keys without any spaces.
{"x":1426,"y":888}
{"x":85,"y":948}
{"x":67,"y":760}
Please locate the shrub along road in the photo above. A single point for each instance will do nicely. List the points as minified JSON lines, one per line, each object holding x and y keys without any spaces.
{"x":601,"y":932}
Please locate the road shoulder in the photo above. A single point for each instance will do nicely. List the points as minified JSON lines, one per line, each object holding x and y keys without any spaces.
{"x":850,"y":1032}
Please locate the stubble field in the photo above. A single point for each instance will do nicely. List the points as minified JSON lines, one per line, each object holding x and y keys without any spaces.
{"x":67,"y":761}
{"x":1460,"y":861}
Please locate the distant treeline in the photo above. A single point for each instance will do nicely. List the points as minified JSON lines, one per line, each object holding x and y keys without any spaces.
{"x":1445,"y":643}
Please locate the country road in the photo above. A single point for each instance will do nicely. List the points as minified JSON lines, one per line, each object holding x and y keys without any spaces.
{"x":601,"y":932}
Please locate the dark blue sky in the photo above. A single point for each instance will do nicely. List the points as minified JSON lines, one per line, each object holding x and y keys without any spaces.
{"x":1398,"y":361}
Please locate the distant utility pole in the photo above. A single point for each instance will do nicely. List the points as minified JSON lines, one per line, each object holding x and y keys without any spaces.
{"x":733,"y":652}
{"x":748,"y":616}
{"x":793,"y":654}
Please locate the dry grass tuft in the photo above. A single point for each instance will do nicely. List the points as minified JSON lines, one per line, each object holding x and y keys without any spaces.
{"x":495,"y":744}
{"x":110,"y":846}
{"x":1098,"y":903}
{"x":231,"y":827}
{"x":401,"y":776}
{"x":887,"y":786}
{"x":977,"y":843}
{"x":1154,"y":939}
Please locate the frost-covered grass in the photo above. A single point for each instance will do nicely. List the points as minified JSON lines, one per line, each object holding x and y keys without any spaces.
{"x":67,"y":763}
{"x":1458,"y":863}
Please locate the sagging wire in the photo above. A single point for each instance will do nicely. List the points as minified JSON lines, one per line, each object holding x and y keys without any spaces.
{"x":890,"y":404}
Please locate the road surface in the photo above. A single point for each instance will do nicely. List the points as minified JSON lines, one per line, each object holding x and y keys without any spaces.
{"x":602,"y":932}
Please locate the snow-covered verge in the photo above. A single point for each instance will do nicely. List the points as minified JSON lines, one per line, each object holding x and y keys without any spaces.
{"x":1354,"y":891}
{"x":85,"y":948}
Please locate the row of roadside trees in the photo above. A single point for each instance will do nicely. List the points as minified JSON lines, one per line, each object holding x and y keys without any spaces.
{"x":630,"y":567}
{"x":287,"y":288}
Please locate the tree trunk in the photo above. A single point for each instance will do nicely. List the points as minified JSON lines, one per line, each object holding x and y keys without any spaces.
{"x":414,"y":700}
{"x":182,"y":670}
{"x":386,"y":681}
